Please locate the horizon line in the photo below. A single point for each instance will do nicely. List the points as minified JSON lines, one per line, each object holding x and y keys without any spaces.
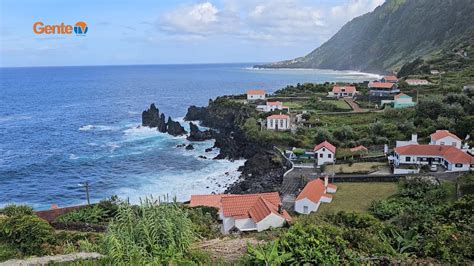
{"x":146,"y":64}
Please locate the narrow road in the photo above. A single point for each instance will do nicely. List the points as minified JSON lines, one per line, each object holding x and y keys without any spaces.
{"x":292,"y":184}
{"x":50,"y":259}
{"x":355,"y":107}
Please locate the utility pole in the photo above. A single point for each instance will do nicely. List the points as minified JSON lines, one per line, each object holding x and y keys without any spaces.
{"x":86,"y":185}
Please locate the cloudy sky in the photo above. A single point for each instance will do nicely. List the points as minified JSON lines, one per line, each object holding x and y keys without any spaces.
{"x":171,"y":32}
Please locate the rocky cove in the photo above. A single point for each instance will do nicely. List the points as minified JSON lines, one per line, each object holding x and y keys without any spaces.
{"x":264,"y":167}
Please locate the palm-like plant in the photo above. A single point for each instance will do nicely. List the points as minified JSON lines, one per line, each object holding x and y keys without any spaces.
{"x":268,"y":254}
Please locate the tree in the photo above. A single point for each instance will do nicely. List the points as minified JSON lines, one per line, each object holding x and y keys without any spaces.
{"x":323,"y":134}
{"x":344,"y":133}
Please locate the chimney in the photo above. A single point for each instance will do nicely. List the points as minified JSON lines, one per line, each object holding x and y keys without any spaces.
{"x":326,"y":181}
{"x":414,"y":137}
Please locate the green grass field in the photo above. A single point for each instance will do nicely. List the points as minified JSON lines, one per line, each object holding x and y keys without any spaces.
{"x":340,"y":104}
{"x":357,"y":197}
{"x":355,"y":167}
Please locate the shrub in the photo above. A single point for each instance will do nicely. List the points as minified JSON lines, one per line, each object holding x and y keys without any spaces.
{"x":13,"y":210}
{"x":28,"y":233}
{"x":157,"y":234}
{"x":91,"y":214}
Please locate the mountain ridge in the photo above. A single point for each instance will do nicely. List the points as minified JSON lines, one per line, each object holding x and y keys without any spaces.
{"x":393,"y":34}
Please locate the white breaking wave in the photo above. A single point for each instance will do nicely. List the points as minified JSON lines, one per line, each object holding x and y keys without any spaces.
{"x":72,"y":156}
{"x":97,"y":127}
{"x":214,"y":178}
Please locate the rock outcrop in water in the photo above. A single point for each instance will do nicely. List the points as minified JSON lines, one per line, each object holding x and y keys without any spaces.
{"x":153,"y":118}
{"x":174,"y":128}
{"x":197,"y":135}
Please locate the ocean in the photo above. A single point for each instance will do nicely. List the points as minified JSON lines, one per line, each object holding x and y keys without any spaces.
{"x":63,"y":126}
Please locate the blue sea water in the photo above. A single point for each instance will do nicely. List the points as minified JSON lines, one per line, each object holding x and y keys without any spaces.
{"x":62,"y":126}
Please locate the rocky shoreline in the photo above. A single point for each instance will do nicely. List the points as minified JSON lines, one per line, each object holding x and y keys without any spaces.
{"x":264,"y":167}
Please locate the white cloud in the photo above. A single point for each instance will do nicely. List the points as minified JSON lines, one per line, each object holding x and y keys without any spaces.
{"x":197,"y":19}
{"x":354,"y":8}
{"x":272,"y":21}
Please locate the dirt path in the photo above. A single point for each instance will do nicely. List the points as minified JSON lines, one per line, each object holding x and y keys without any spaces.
{"x":228,"y":249}
{"x":48,"y":259}
{"x":355,"y":107}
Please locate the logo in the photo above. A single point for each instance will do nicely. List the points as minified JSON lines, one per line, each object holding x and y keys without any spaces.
{"x":80,"y":28}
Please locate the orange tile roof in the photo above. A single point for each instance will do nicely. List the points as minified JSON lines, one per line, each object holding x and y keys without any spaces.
{"x":358,"y":148}
{"x":273,"y":103}
{"x":313,"y":191}
{"x":400,"y":95}
{"x":278,"y":117}
{"x":259,"y":92}
{"x":390,"y":78}
{"x":449,"y":153}
{"x":338,"y":89}
{"x":439,"y":134}
{"x":384,"y":85}
{"x":207,"y":200}
{"x":327,"y":145}
{"x":254,"y":206}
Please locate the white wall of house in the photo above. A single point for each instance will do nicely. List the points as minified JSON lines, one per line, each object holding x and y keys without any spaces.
{"x":245,"y":224}
{"x":272,"y":220}
{"x":326,"y":199}
{"x":402,"y":100}
{"x":417,"y":159}
{"x":451,"y":167}
{"x":447,"y":141}
{"x":281,"y":124}
{"x":324,"y":156}
{"x":227,"y":224}
{"x":305,"y":206}
{"x":331,"y":190}
{"x":255,"y":96}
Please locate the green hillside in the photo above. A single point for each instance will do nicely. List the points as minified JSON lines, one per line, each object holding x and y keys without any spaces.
{"x":397,"y":32}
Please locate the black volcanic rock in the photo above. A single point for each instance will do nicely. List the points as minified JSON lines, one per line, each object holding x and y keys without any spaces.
{"x":151,"y":117}
{"x":174,"y":128}
{"x":162,"y":123}
{"x":263,"y":172}
{"x":198,"y":135}
{"x":190,"y":147}
{"x":208,"y":149}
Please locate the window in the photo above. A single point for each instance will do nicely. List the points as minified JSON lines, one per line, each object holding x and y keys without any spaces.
{"x":453,"y":144}
{"x":320,"y":155}
{"x":441,"y":143}
{"x":281,"y":123}
{"x":271,"y":122}
{"x":329,"y":155}
{"x":305,"y":209}
{"x":408,"y":159}
{"x":459,"y":165}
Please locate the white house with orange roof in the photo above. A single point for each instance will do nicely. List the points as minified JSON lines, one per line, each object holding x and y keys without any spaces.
{"x":390,"y":79}
{"x":255,"y":95}
{"x":378,"y":88}
{"x":342,"y":91}
{"x":248,"y":212}
{"x":450,"y":157}
{"x":278,"y":122}
{"x":313,"y":194}
{"x":273,"y":106}
{"x":444,"y":137}
{"x":417,"y":82}
{"x":325,"y":153}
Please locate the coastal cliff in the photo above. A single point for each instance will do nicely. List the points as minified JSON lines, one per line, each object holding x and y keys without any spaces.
{"x":263,"y":170}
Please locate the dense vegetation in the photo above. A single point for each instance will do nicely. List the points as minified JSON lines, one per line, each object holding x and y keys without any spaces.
{"x":393,"y":34}
{"x":421,"y":222}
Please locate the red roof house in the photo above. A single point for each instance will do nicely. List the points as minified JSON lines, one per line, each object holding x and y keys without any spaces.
{"x":246,"y":212}
{"x":315,"y":192}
